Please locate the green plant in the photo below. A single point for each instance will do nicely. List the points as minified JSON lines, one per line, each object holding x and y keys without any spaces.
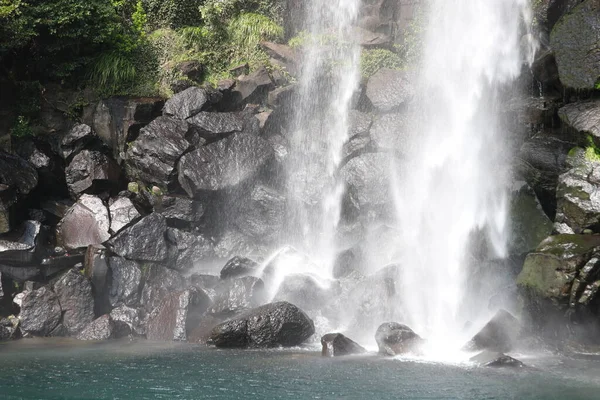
{"x":372,"y":61}
{"x":592,"y":152}
{"x":21,"y":128}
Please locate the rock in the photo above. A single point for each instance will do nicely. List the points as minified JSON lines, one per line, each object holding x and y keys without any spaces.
{"x":177,"y":313}
{"x":9,"y":328}
{"x":74,"y":293}
{"x":497,"y":360}
{"x":286,"y":261}
{"x":96,"y":269}
{"x":253,"y":88}
{"x":233,"y":242}
{"x":190,"y":249}
{"x":239,"y":266}
{"x":389,"y":89}
{"x":223,"y":164}
{"x":17,"y":173}
{"x":304,"y":290}
{"x":499,"y":334}
{"x":396,"y":339}
{"x":263,"y":215}
{"x":85,"y":223}
{"x":578,"y":194}
{"x":545,"y":71}
{"x":127,"y":321}
{"x":347,"y":262}
{"x":271,"y":325}
{"x":582,"y":117}
{"x":390,"y":132}
{"x":160,"y":281}
{"x":152,"y":157}
{"x":574,"y":40}
{"x":204,"y":281}
{"x":89,"y":168}
{"x":75,"y":139}
{"x":213,"y":126}
{"x":529,"y":225}
{"x":367,"y":182}
{"x":40,"y":312}
{"x":144,"y":241}
{"x":187,"y":103}
{"x":101,"y":328}
{"x":239,"y":294}
{"x":122,"y":214}
{"x":282,"y":96}
{"x":337,"y":345}
{"x":281,"y":52}
{"x":22,"y":247}
{"x":124,"y":283}
{"x":192,"y":70}
{"x":181,"y":209}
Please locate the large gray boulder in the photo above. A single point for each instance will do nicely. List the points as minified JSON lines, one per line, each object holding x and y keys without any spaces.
{"x":390,"y":132}
{"x":159,"y":282}
{"x":263,"y":215}
{"x":75,"y":139}
{"x":24,"y":248}
{"x":582,"y":116}
{"x":214,"y":125}
{"x":74,"y":293}
{"x":152,"y":157}
{"x":239,"y":294}
{"x":17,"y":173}
{"x":101,"y":328}
{"x":187,"y":103}
{"x":574,"y":40}
{"x":122,"y":213}
{"x":88,"y":168}
{"x":127,"y":321}
{"x":529,"y":224}
{"x":271,"y":325}
{"x":86,"y":223}
{"x":223,"y":164}
{"x":124,"y":283}
{"x":180,"y":209}
{"x":238,"y":267}
{"x":144,"y":241}
{"x":499,"y":334}
{"x":40,"y":312}
{"x":187,"y":249}
{"x":389,"y":89}
{"x":367,"y":180}
{"x":395,"y":339}
{"x":337,"y":345}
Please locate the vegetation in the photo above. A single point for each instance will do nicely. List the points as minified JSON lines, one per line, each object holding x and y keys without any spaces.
{"x":372,"y":61}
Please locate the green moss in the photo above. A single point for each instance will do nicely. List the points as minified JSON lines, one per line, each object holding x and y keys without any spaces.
{"x":372,"y":61}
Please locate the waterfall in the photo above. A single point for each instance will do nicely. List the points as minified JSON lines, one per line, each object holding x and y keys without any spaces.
{"x":327,"y":83}
{"x":453,"y":188}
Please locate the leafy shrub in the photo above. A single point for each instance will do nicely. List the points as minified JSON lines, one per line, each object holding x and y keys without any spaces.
{"x":372,"y":61}
{"x":21,"y":128}
{"x":173,"y":13}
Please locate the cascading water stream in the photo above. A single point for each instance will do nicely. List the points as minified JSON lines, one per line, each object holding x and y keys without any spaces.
{"x":454,"y":187}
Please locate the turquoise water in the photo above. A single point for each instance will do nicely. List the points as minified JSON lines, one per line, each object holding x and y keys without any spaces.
{"x":62,"y":370}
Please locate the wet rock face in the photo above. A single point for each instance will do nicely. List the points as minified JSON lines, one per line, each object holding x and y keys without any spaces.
{"x":144,"y":241}
{"x":97,"y":271}
{"x":337,"y":345}
{"x":160,"y":281}
{"x":305,"y":291}
{"x":390,"y":132}
{"x":187,"y":103}
{"x":85,"y":223}
{"x":176,"y":208}
{"x":213,"y":126}
{"x":125,"y":282}
{"x":186,"y":249}
{"x":17,"y":173}
{"x":239,"y":266}
{"x":74,"y":140}
{"x":223,"y":164}
{"x":388,"y":89}
{"x":529,"y":224}
{"x":101,"y":328}
{"x":9,"y":328}
{"x":22,"y":249}
{"x":366,"y":177}
{"x":272,"y":325}
{"x":574,"y":41}
{"x":74,"y":293}
{"x":263,"y":215}
{"x":253,"y":88}
{"x":127,"y":322}
{"x":178,"y":313}
{"x":40,"y":312}
{"x":88,"y":168}
{"x":499,"y":334}
{"x":152,"y":157}
{"x":122,"y":213}
{"x":395,"y":339}
{"x":582,"y":117}
{"x":237,"y":295}
{"x":496,"y":360}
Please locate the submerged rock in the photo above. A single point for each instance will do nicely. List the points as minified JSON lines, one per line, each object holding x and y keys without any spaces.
{"x":101,"y":328}
{"x":144,"y":241}
{"x":40,"y":312}
{"x":336,"y":345}
{"x":74,"y":293}
{"x":499,"y":334}
{"x":238,"y":267}
{"x":394,"y":339}
{"x":272,"y":325}
{"x":496,"y":360}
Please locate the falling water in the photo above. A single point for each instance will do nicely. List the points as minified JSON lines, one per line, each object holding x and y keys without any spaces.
{"x":454,"y":188}
{"x":327,"y":83}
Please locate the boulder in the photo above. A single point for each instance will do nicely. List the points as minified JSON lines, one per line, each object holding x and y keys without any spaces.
{"x":283,"y":53}
{"x":74,"y":293}
{"x":192,"y":69}
{"x":336,"y":345}
{"x":40,"y":312}
{"x":85,"y":223}
{"x":395,"y":339}
{"x":204,"y":281}
{"x":213,"y":126}
{"x":496,"y":360}
{"x":223,"y":164}
{"x":263,"y":215}
{"x":239,"y":294}
{"x":75,"y":139}
{"x":101,"y":328}
{"x":160,"y":281}
{"x":578,"y":194}
{"x":233,"y":242}
{"x":499,"y":334}
{"x":17,"y":173}
{"x":545,"y":71}
{"x":124,"y":283}
{"x":367,"y":182}
{"x":390,"y":132}
{"x":22,"y":247}
{"x":89,"y":168}
{"x":187,"y":103}
{"x":271,"y":325}
{"x":238,"y":267}
{"x":175,"y":208}
{"x":153,"y":156}
{"x":96,"y":269}
{"x":529,"y":224}
{"x":304,"y":290}
{"x":122,"y":213}
{"x":127,"y":322}
{"x":9,"y":328}
{"x":144,"y":241}
{"x":253,"y":88}
{"x":178,"y":313}
{"x":574,"y":40}
{"x":583,"y":117}
{"x":389,"y":89}
{"x":188,"y":249}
